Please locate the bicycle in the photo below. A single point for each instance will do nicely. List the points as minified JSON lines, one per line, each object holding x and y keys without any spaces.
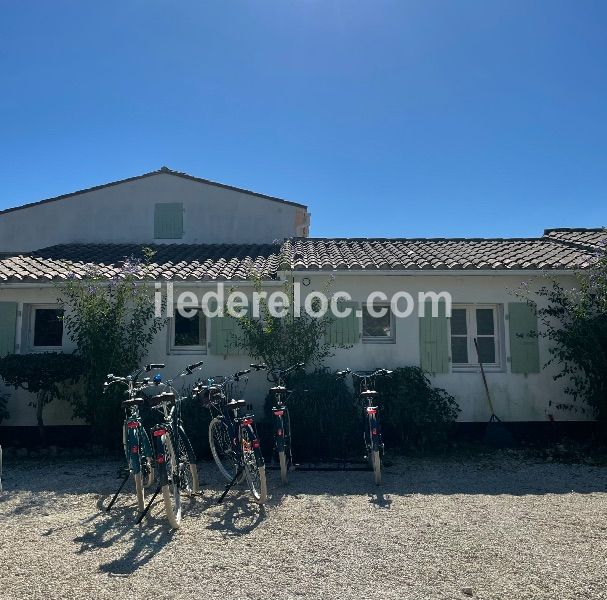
{"x":233,"y":438}
{"x":282,"y":419}
{"x":374,"y":444}
{"x":174,"y":456}
{"x":135,"y":440}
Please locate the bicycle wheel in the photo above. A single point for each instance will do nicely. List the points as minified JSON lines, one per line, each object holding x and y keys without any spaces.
{"x":130,"y":440}
{"x":147,"y":459}
{"x":221,"y":448}
{"x":187,"y":461}
{"x":254,"y":468}
{"x":376,"y":464}
{"x":171,"y":491}
{"x":285,"y":458}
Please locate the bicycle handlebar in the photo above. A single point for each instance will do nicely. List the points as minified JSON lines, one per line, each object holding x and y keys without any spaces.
{"x":364,"y":374}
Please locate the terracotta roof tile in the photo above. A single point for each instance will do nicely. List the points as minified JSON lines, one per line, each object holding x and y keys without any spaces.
{"x":557,"y":249}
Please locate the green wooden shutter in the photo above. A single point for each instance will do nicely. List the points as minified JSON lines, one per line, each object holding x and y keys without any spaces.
{"x":8,"y":322}
{"x":168,"y":220}
{"x":433,"y":340}
{"x":224,"y":330}
{"x":345,"y":331}
{"x":524,"y":346}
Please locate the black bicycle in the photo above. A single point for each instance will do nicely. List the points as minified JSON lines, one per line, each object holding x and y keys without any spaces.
{"x":374,"y":444}
{"x":233,"y":437}
{"x":174,"y":457}
{"x":280,"y":412}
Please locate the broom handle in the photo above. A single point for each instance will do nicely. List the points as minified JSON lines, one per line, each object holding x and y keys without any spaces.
{"x":484,"y":378}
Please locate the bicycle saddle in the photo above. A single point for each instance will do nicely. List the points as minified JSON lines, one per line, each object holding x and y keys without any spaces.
{"x":132,"y":402}
{"x":234,"y":404}
{"x":278,"y":389}
{"x":161,"y":398}
{"x":369,"y":394}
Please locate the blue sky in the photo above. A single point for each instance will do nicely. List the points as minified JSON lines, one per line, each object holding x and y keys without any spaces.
{"x":391,"y":118}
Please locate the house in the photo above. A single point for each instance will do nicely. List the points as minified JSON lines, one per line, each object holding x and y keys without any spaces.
{"x":203,"y":233}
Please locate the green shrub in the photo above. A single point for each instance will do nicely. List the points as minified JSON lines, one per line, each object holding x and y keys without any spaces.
{"x":325,"y":422}
{"x":4,"y":414}
{"x":414,"y":413}
{"x":44,"y":375}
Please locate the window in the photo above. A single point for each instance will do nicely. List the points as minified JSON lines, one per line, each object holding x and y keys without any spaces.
{"x":378,"y":329}
{"x":188,"y":334}
{"x":168,"y":221}
{"x":46,"y":327}
{"x":470,"y":322}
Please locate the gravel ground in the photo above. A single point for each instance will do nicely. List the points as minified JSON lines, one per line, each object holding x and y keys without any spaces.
{"x":489,"y":527}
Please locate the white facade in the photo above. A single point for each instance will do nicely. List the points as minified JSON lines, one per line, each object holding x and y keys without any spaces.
{"x":123,"y":213}
{"x":516,"y":397}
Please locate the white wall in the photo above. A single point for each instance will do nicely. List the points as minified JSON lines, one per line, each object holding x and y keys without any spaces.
{"x":124,"y":213}
{"x":516,"y":397}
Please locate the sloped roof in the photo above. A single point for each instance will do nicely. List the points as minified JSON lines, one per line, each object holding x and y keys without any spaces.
{"x":557,"y":250}
{"x":169,"y":262}
{"x":589,"y":238}
{"x":434,"y":254}
{"x":162,"y":170}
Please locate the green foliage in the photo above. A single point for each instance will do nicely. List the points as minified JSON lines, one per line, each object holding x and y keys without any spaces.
{"x":574,"y":320}
{"x":414,"y":413}
{"x":283,"y":339}
{"x":325,"y":419}
{"x":112,"y":323}
{"x":42,"y":374}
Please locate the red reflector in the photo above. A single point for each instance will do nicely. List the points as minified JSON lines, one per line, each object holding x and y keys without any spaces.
{"x":135,"y":449}
{"x":279,"y":413}
{"x":159,"y":432}
{"x":160,"y":459}
{"x":279,"y":432}
{"x":372,"y":411}
{"x":374,"y":431}
{"x":132,"y":424}
{"x":247,"y":421}
{"x":255,"y":443}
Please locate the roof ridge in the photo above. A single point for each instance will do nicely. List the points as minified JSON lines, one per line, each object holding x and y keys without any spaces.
{"x":418,"y":239}
{"x":161,"y":171}
{"x":590,"y":229}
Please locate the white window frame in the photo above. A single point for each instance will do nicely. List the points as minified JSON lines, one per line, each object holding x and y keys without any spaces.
{"x":31,"y":324}
{"x":498,"y":334}
{"x":197,"y":349}
{"x":379,"y":339}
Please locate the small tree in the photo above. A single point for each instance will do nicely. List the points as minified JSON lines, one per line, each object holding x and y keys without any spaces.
{"x":575,"y":322}
{"x":43,"y":375}
{"x":288,"y":339}
{"x":112,"y":323}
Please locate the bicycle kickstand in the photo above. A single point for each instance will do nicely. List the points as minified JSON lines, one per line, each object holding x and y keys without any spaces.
{"x":230,"y":485}
{"x":126,"y":478}
{"x":147,"y":508}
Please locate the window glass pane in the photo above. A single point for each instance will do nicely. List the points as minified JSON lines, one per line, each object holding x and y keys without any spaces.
{"x":188,"y":330}
{"x":459,"y":350}
{"x":48,"y":327}
{"x":377,"y":326}
{"x":486,"y":349}
{"x":458,"y":321}
{"x":484,"y":321}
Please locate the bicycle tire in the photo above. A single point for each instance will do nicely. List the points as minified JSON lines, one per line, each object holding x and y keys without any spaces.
{"x":284,"y":470}
{"x":376,"y":464}
{"x":138,"y":477}
{"x":187,"y":459}
{"x":171,"y":491}
{"x":221,"y":448}
{"x":147,"y":459}
{"x":255,"y":470}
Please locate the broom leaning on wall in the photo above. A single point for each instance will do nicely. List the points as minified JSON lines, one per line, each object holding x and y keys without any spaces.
{"x":496,"y":434}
